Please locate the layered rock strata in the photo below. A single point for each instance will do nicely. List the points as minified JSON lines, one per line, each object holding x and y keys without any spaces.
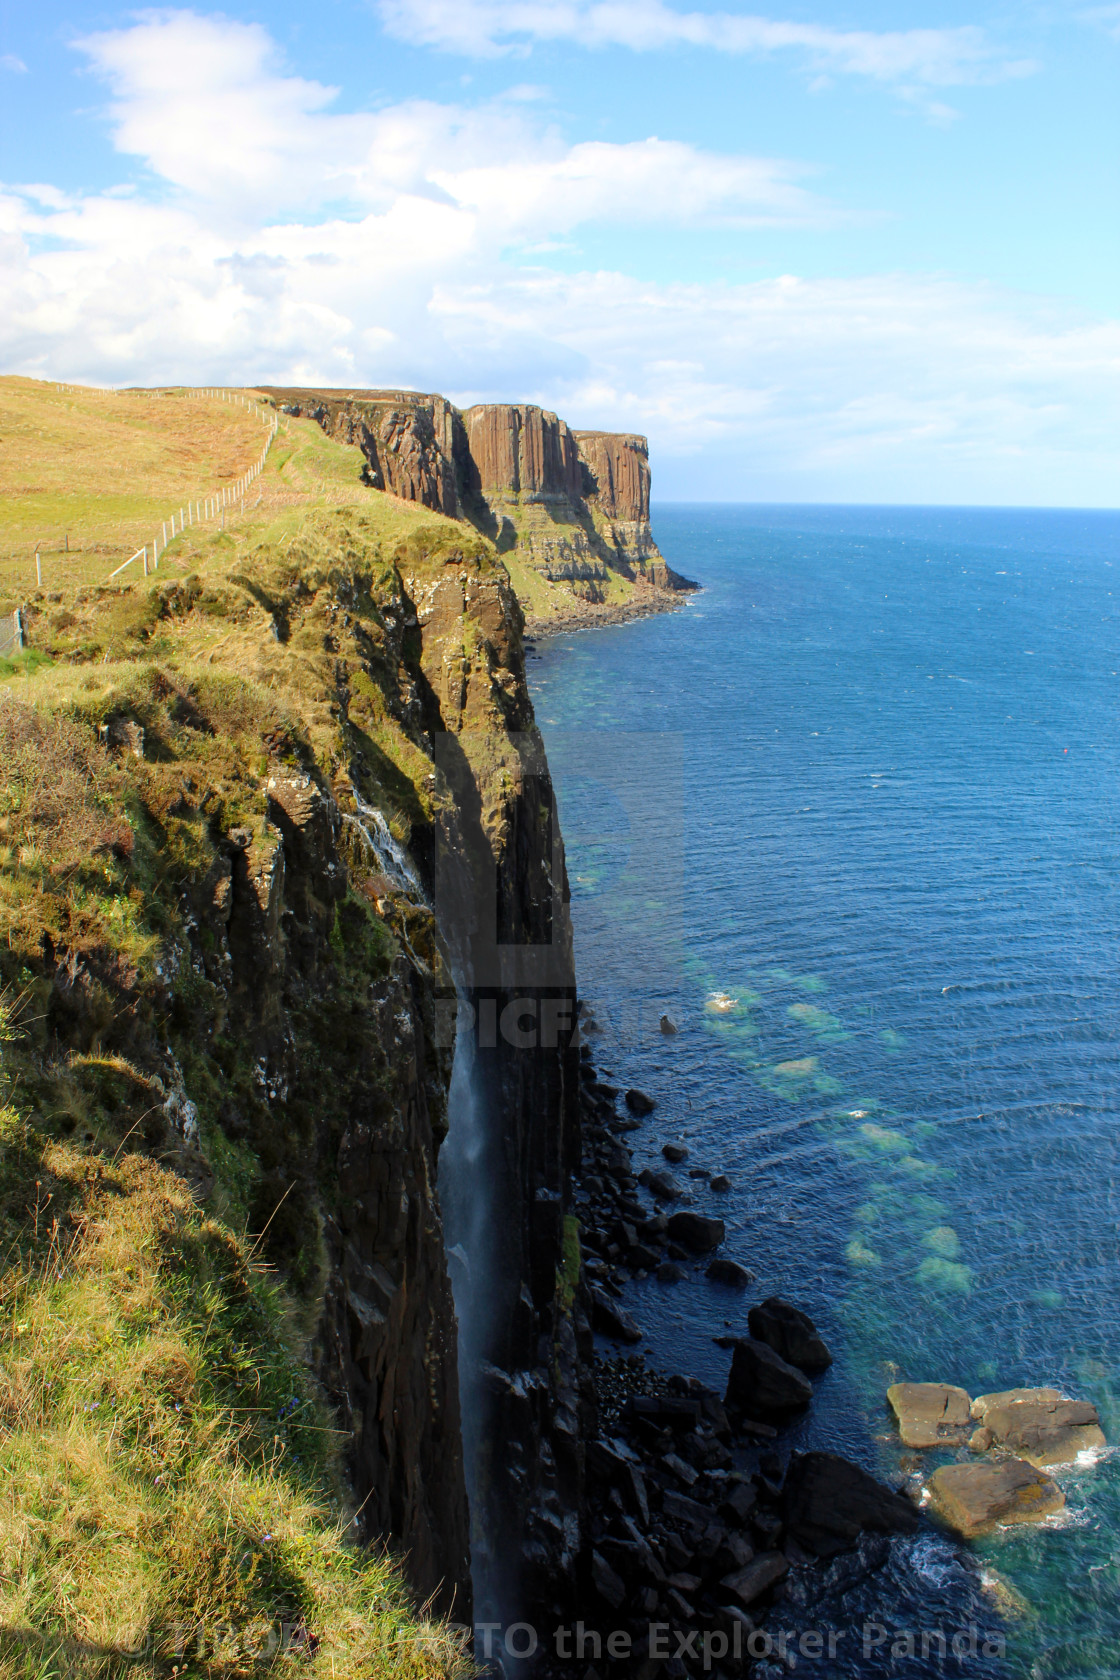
{"x":575,"y":505}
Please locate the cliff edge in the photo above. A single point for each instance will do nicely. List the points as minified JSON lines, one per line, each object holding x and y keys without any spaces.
{"x":274,"y":818}
{"x":568,"y":510}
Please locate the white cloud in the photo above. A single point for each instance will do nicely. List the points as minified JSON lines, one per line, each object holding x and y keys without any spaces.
{"x":9,"y":61}
{"x":923,"y":57}
{"x":206,"y":104}
{"x":367,"y":249}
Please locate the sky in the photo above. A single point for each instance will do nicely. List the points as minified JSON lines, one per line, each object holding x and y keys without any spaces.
{"x":838,"y":252}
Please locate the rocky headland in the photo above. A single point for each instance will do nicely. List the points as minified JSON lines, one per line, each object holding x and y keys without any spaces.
{"x":569,"y":510}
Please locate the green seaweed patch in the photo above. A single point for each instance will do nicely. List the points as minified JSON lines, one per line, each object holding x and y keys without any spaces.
{"x":790,"y":1079}
{"x":828,"y":1028}
{"x":893,"y":1042}
{"x":884,"y":1138}
{"x":943,"y":1240}
{"x":859,"y":1254}
{"x":946,"y":1277}
{"x":803,"y":982}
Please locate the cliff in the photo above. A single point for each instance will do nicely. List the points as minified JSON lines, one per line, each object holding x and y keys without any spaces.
{"x":272,"y":816}
{"x":569,"y":510}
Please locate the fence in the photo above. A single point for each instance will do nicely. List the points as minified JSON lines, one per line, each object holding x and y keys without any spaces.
{"x":11,"y":633}
{"x":207,"y":507}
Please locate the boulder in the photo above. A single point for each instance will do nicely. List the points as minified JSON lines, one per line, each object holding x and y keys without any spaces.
{"x":670,"y":1272}
{"x":638,"y":1103}
{"x":930,"y":1414}
{"x":739,"y":1503}
{"x":723,"y":1270}
{"x":1045,"y":1431}
{"x":612,"y":1320}
{"x":972,"y":1499}
{"x":607,"y":1584}
{"x":789,"y":1332}
{"x":828,"y":1503}
{"x":668,"y":1026}
{"x":664,"y":1186}
{"x":674,"y":1152}
{"x":721,"y":1182}
{"x":762,"y":1382}
{"x":664,"y":1411}
{"x":695,"y":1232}
{"x":762,"y":1572}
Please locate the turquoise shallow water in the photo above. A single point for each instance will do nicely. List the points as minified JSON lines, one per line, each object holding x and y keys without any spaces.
{"x":850,"y":818}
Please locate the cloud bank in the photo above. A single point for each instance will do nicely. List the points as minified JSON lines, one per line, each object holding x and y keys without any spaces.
{"x":929,"y":57}
{"x":272,"y":237}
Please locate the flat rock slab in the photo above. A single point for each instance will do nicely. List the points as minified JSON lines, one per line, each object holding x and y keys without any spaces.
{"x":1046,"y":1431}
{"x":975,"y":1498}
{"x":1008,"y":1397}
{"x":931,"y":1414}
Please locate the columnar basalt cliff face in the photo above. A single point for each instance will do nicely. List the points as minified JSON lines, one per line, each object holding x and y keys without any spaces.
{"x":573,"y":506}
{"x":523,"y":451}
{"x":618,"y":465}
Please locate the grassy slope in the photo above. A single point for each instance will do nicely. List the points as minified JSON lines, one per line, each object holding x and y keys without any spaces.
{"x":103,"y":469}
{"x":163,"y":1457}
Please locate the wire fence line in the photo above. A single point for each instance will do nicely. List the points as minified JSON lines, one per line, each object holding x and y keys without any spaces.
{"x":206,"y":507}
{"x":11,"y":633}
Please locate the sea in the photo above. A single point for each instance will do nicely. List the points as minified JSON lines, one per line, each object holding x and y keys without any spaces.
{"x":849,"y":821}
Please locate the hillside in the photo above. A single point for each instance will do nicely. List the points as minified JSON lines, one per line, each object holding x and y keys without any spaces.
{"x":229,"y":1328}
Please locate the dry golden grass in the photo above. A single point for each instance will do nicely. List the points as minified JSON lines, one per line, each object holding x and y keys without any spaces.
{"x":101,"y":469}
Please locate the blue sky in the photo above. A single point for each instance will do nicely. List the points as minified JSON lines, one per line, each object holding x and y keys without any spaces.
{"x":820,"y":252}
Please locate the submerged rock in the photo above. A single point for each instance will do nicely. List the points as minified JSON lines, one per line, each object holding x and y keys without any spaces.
{"x":930,"y":1414}
{"x":827,"y":1503}
{"x":791,"y":1333}
{"x":761,"y":1382}
{"x":972,"y":1499}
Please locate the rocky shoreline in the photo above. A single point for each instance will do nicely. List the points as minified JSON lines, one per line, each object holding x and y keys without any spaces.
{"x":709,"y":1548}
{"x":698,"y":1520}
{"x":597,"y":615}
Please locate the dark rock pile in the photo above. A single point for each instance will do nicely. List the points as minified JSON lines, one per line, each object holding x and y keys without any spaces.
{"x":692,"y":1515}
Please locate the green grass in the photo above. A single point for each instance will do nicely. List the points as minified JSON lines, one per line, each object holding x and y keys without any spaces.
{"x":170,"y":1498}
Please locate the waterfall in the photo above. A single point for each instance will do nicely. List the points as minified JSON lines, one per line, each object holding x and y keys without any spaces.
{"x":466,"y":1184}
{"x":392,"y":859}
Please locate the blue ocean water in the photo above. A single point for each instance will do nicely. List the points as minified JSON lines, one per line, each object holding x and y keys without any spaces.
{"x":850,"y":818}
